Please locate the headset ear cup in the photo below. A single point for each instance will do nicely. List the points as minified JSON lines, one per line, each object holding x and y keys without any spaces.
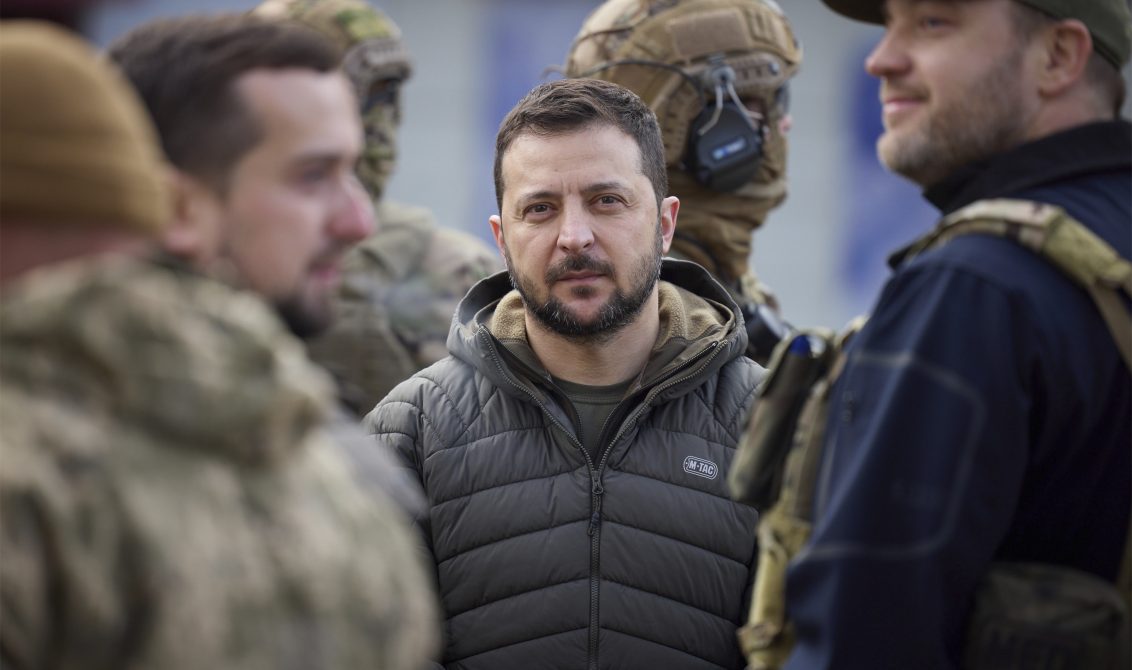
{"x":725,"y":156}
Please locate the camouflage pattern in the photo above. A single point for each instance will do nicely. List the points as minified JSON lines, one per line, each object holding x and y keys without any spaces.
{"x":400,"y":288}
{"x":376,"y":61}
{"x":756,"y":40}
{"x":169,"y":497}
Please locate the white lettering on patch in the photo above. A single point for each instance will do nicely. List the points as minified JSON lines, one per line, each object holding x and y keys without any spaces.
{"x":700,"y":467}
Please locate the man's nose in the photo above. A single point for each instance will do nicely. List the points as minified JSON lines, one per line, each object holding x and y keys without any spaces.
{"x":354,"y":219}
{"x":888,"y":57}
{"x":575,"y":232}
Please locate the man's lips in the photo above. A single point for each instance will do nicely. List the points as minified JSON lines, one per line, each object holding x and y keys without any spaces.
{"x":580,"y":276}
{"x":896,"y":105}
{"x":326,"y":269}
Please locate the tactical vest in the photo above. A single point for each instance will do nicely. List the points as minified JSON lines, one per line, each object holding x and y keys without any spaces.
{"x":1024,"y":615}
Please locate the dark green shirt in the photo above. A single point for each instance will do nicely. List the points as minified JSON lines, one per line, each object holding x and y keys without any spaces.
{"x":593,"y":405}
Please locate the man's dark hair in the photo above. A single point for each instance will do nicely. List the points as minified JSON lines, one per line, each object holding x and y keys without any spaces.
{"x":185,"y":70}
{"x":1104,"y":78}
{"x":568,"y":105}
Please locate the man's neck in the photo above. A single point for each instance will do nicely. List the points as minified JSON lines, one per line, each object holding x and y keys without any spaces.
{"x":597,"y":363}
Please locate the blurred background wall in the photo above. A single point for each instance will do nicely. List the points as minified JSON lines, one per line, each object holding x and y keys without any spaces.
{"x":823,"y":252}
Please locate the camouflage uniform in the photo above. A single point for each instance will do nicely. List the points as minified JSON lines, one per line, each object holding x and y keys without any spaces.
{"x":401,"y":285}
{"x":755,"y":39}
{"x":169,"y":498}
{"x":399,"y":291}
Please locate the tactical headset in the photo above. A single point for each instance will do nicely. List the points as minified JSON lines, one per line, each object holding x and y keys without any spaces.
{"x":725,"y":143}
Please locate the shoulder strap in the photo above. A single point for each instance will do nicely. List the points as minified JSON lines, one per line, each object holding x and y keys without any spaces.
{"x":785,"y":435}
{"x":1050,"y":232}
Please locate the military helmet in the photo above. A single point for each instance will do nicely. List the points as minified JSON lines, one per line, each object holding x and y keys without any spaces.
{"x":370,"y":41}
{"x":688,"y":57}
{"x":377,"y":63}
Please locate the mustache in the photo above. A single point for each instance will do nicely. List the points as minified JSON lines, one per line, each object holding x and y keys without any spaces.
{"x":578,"y":263}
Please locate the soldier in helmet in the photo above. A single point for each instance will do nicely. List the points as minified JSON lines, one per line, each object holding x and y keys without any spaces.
{"x":170,"y":496}
{"x":401,"y":285}
{"x":717,"y":73}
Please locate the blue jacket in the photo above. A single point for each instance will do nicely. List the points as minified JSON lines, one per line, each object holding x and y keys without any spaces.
{"x":984,"y":414}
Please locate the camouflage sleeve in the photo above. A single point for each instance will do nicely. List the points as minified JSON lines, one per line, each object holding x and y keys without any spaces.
{"x":421,"y":306}
{"x":24,"y":612}
{"x":400,"y":288}
{"x":68,"y":579}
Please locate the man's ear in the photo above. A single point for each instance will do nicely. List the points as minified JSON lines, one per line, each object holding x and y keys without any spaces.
{"x":496,"y":224}
{"x":1065,"y":49}
{"x":194,"y":233}
{"x":669,"y":208}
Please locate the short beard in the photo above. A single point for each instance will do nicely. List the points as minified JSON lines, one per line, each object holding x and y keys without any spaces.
{"x":618,"y":312}
{"x":967,"y":130}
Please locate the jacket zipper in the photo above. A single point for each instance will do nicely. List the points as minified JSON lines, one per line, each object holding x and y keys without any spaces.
{"x":596,"y":489}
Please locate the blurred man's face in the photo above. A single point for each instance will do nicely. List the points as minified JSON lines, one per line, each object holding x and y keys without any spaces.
{"x":293,"y":205}
{"x":953,"y":85}
{"x":580,"y":229}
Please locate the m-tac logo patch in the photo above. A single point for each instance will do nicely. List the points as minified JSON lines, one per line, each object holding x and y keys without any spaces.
{"x":700,"y":467}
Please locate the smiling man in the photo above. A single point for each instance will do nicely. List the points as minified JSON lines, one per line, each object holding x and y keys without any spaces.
{"x":973,"y":507}
{"x":571,"y":444}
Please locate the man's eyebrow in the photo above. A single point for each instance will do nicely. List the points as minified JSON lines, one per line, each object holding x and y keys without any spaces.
{"x":617,"y":186}
{"x":321,"y":156}
{"x":549,"y":194}
{"x":541,"y":194}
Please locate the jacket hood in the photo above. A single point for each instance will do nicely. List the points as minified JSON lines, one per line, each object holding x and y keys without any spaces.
{"x":178,"y":355}
{"x":698,"y":318}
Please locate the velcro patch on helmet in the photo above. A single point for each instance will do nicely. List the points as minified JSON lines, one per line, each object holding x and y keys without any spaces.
{"x":698,"y":35}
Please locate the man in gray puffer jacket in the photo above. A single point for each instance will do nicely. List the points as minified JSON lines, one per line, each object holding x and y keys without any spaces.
{"x":573,"y":447}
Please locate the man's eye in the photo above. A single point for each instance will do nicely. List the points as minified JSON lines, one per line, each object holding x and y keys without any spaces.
{"x":541,"y":208}
{"x":933,"y":23}
{"x":314,"y":175}
{"x":609,"y":200}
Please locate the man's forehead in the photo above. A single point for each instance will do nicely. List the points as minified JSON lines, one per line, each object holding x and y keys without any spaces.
{"x":277,"y":85}
{"x":600,"y":139}
{"x":294,"y":95}
{"x":308,"y":110}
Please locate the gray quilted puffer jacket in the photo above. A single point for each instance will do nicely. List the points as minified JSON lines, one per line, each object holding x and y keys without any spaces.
{"x":548,"y":558}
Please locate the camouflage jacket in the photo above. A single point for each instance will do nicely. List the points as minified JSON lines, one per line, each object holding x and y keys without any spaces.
{"x":400,"y":288}
{"x":169,"y":498}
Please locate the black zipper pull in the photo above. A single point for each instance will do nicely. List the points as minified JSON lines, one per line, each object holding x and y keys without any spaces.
{"x":595,"y":518}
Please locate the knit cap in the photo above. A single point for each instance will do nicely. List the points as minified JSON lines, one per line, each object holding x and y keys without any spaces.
{"x":76,"y":145}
